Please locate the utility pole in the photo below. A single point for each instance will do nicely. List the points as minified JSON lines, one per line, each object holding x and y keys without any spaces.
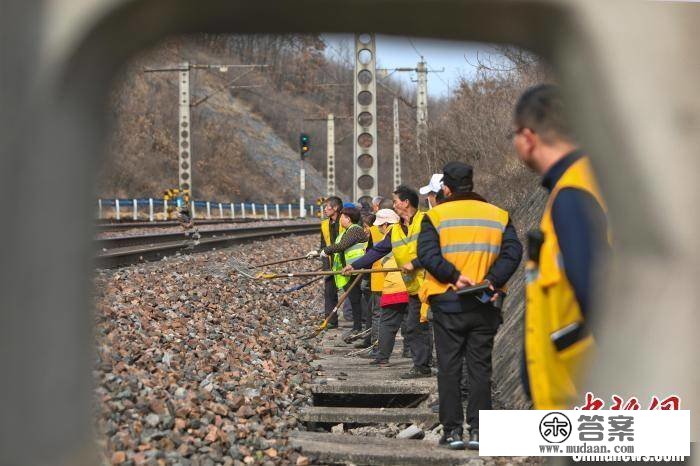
{"x":422,"y":108}
{"x":421,"y":71}
{"x":397,"y":145}
{"x":330,"y":149}
{"x":185,"y":126}
{"x":365,"y":111}
{"x":330,"y":156}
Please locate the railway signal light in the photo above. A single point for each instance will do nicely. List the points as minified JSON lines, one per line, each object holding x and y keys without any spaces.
{"x":304,"y":143}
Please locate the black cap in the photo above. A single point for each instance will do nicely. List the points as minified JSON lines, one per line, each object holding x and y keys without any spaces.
{"x":458,"y":176}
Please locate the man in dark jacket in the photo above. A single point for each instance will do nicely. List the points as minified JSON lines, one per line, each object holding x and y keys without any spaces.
{"x":464,"y":241}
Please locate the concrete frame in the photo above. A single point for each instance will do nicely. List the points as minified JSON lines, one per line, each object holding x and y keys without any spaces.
{"x":629,"y":70}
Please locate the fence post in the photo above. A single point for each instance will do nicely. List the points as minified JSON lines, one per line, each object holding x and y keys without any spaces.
{"x":277,"y":210}
{"x":116,"y":209}
{"x":221,"y":210}
{"x":243,"y":209}
{"x":165,"y":208}
{"x":208,"y":209}
{"x":99,"y":209}
{"x":265,"y":208}
{"x":233,"y":212}
{"x":193,"y":213}
{"x":252,"y":208}
{"x":290,"y":210}
{"x":150,"y":209}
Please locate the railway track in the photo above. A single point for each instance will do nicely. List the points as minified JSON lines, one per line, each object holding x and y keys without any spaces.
{"x":128,"y":225}
{"x":127,"y":250}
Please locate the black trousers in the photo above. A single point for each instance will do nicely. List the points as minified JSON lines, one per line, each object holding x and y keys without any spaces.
{"x":416,"y":335}
{"x":464,"y":328}
{"x":330,"y":298}
{"x":366,"y":307}
{"x":419,"y":336}
{"x":355,"y":298}
{"x":389,"y":324}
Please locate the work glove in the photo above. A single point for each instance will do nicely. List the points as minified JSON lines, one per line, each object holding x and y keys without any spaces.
{"x":323,"y":254}
{"x":312,"y":254}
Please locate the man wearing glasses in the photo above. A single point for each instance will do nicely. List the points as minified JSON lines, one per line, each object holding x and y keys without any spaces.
{"x":563,"y":252}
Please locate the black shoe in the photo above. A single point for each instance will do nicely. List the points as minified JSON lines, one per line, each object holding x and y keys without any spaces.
{"x":416,"y":373}
{"x":379,"y":363}
{"x":473,"y":443}
{"x":362,"y":344}
{"x":453,"y":440}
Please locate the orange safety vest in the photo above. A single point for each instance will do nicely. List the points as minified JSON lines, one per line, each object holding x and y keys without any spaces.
{"x":376,"y":279}
{"x":470,"y":238}
{"x":557,"y":350}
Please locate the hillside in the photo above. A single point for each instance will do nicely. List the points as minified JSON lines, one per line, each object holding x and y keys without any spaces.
{"x":236,"y":155}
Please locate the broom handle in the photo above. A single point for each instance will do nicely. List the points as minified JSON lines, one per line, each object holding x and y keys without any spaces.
{"x":278,"y":262}
{"x":327,"y":272}
{"x":346,"y":293}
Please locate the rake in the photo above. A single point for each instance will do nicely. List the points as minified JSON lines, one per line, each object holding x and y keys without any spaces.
{"x":299,"y":287}
{"x":341,"y":300}
{"x":247,"y":270}
{"x":363,"y":350}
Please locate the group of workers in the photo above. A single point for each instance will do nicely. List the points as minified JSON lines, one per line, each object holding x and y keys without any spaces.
{"x":438,"y":257}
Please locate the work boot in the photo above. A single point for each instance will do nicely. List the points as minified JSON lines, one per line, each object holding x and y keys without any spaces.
{"x":416,"y":373}
{"x":362,"y":344}
{"x":379,"y":363}
{"x":453,"y":439}
{"x":473,"y":443}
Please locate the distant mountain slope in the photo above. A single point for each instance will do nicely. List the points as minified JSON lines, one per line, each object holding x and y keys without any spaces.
{"x":236,"y":155}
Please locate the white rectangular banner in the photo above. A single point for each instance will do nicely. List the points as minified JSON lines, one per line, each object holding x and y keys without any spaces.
{"x":614,"y":433}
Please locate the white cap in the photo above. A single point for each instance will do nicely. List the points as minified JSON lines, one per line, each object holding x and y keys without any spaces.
{"x":386,"y":216}
{"x":434,"y":186}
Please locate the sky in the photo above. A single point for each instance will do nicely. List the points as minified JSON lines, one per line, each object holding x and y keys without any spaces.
{"x":396,"y":51}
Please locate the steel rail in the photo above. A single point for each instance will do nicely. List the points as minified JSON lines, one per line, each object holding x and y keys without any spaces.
{"x":164,"y":245}
{"x":106,"y":225}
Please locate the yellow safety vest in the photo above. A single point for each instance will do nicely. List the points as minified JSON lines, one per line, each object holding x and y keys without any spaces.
{"x":470,"y":238}
{"x":393,"y":287}
{"x":351,"y":254}
{"x":405,"y":249}
{"x":377,"y":279}
{"x":326,"y":233}
{"x":556,"y":351}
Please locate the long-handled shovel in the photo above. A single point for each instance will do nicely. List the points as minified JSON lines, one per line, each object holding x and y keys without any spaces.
{"x":341,"y":300}
{"x":271,"y":276}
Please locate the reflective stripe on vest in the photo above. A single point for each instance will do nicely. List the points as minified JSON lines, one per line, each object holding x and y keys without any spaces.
{"x":350,"y":255}
{"x":470,"y":234}
{"x":405,"y":249}
{"x":552,"y":310}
